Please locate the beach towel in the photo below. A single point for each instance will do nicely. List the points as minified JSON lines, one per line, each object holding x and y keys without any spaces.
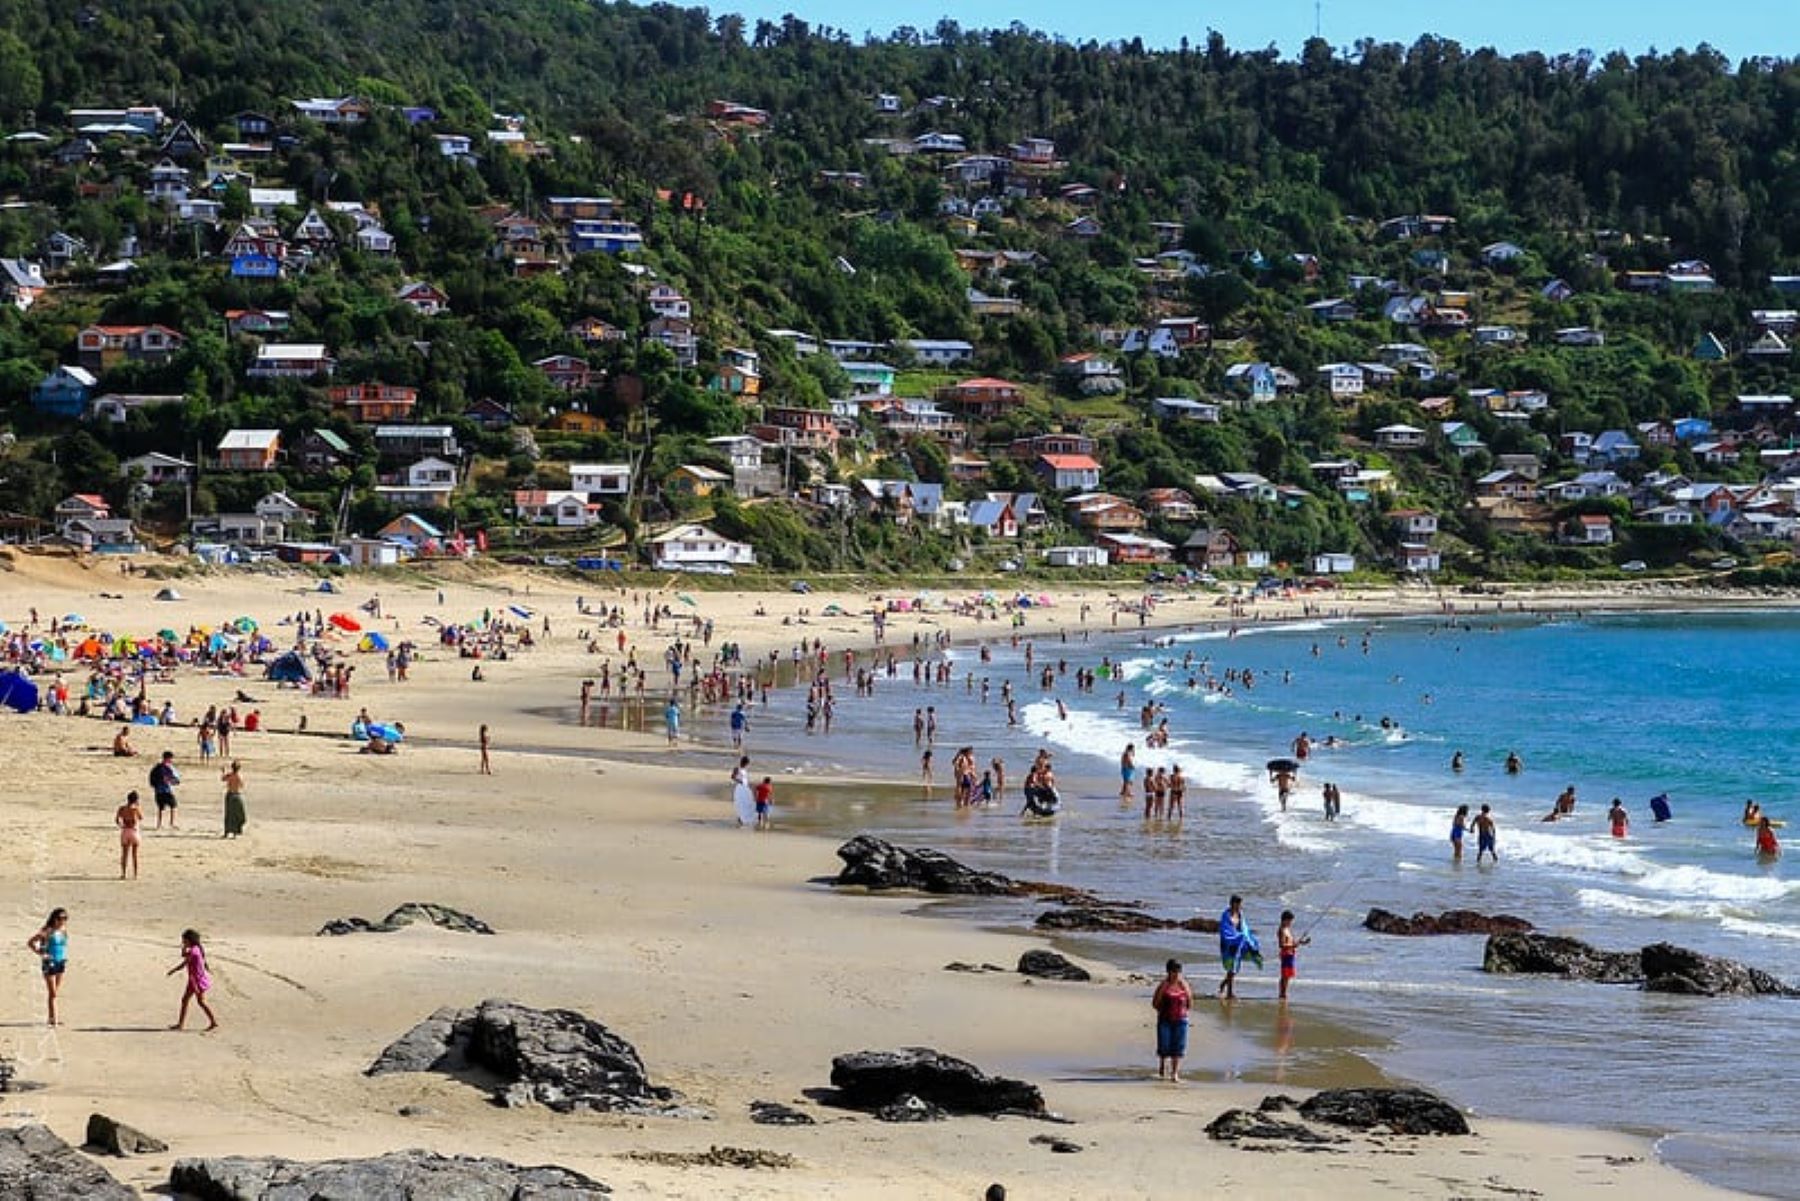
{"x":1237,"y":943}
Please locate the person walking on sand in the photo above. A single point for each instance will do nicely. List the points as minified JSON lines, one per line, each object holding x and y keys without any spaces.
{"x":233,"y":778}
{"x":1172,"y":1000}
{"x":763,"y":795}
{"x":672,"y":720}
{"x":163,"y":778}
{"x":1289,"y":946}
{"x":1485,"y":835}
{"x":487,"y":766}
{"x":1127,"y":772}
{"x":130,"y":819}
{"x":1459,"y":826}
{"x":51,"y":945}
{"x":199,"y":981}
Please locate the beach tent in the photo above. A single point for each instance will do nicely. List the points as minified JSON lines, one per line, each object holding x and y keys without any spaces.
{"x":90,"y":648}
{"x":168,"y":635}
{"x":288,"y":669}
{"x":219,"y":642}
{"x":345,"y":622}
{"x":244,"y":624}
{"x":326,"y":586}
{"x":74,"y":620}
{"x":372,"y":642}
{"x":385,"y":731}
{"x":17,"y":692}
{"x":169,"y":594}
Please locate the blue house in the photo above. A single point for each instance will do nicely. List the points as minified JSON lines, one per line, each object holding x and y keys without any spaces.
{"x":64,"y":392}
{"x":1613,"y":446}
{"x":1257,"y":380}
{"x":1690,"y":429}
{"x":607,"y":237}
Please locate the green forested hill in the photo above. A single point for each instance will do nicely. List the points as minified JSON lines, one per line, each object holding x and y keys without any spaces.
{"x":1272,"y":174}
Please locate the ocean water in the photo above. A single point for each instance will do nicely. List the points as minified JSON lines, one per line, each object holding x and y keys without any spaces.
{"x":1702,"y":706}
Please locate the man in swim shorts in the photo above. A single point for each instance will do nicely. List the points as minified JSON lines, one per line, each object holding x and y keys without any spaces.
{"x":163,"y":779}
{"x":1485,"y":835}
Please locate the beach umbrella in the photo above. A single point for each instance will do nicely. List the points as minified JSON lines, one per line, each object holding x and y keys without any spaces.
{"x":373,"y":642}
{"x":168,"y":635}
{"x":17,"y":692}
{"x":74,"y":619}
{"x":345,"y":622}
{"x":1282,"y":765}
{"x":245,"y":624}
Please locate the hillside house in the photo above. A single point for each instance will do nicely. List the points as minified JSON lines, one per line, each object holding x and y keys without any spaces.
{"x":1333,"y":563}
{"x":62,"y":249}
{"x":1414,"y":525}
{"x":692,"y":545}
{"x":427,"y":300}
{"x":1027,"y":450}
{"x":1065,"y":473}
{"x":786,"y":425}
{"x":1103,"y":511}
{"x":1501,"y":254}
{"x":566,"y":372}
{"x":490,"y":414}
{"x":612,"y":236}
{"x":983,"y":398}
{"x":157,"y":469}
{"x":103,"y":347}
{"x":1210,"y":549}
{"x":1134,"y":548}
{"x":666,"y":301}
{"x":677,"y":333}
{"x":1036,"y":152}
{"x":1255,"y":382}
{"x":984,"y":305}
{"x":1180,"y":408}
{"x":257,"y":321}
{"x":64,"y":392}
{"x":1416,"y":558}
{"x":1588,"y":529}
{"x":565,"y":510}
{"x":937,"y":352}
{"x":333,"y":112}
{"x":1342,"y":380}
{"x":416,"y":441}
{"x":249,"y":450}
{"x":1579,"y":336}
{"x":739,"y":373}
{"x":730,"y":112}
{"x":1171,"y":504}
{"x":1334,"y":310}
{"x":372,"y":403}
{"x":600,"y":479}
{"x":696,"y":479}
{"x":115,"y":407}
{"x":321,"y":450}
{"x":1091,"y":374}
{"x":21,"y":283}
{"x":744,"y":452}
{"x":1506,"y":484}
{"x":867,"y":378}
{"x":1462,"y":437}
{"x":300,"y":360}
{"x":428,"y":483}
{"x":1400,"y":437}
{"x":579,"y":208}
{"x":81,"y":506}
{"x":1076,"y":556}
{"x":593,"y":331}
{"x":112,"y":535}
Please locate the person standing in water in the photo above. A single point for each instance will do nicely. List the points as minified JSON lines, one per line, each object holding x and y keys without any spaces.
{"x":1289,"y":947}
{"x":1514,"y":764}
{"x":1172,"y":1000}
{"x":51,"y":945}
{"x":1767,"y":845}
{"x":1618,"y":819}
{"x":1127,"y":772}
{"x":1485,"y":835}
{"x":1459,"y":826}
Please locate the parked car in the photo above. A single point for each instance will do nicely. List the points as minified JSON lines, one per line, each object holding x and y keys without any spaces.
{"x":1634,"y":565}
{"x":1008,"y":565}
{"x":554,"y":561}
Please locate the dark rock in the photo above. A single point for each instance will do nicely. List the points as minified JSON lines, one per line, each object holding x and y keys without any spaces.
{"x":873,"y":863}
{"x":35,"y":1165}
{"x":774,"y":1113}
{"x":1402,"y":1110}
{"x":401,"y":1174}
{"x":1672,"y":969}
{"x":552,"y":1057}
{"x":1061,"y":1146}
{"x":978,"y":969}
{"x":1118,"y":919}
{"x":416,"y":1111}
{"x":1235,"y":1124}
{"x":1277,"y":1103}
{"x":441,"y":916}
{"x":869,"y":1080}
{"x":6,"y":1075}
{"x":1454,"y":921}
{"x":1552,"y":955}
{"x":1048,"y":965}
{"x":908,"y":1108}
{"x":116,"y":1138}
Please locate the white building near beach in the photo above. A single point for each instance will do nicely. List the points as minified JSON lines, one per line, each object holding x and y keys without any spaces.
{"x":691,"y":546}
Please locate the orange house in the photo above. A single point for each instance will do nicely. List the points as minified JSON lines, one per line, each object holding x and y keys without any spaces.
{"x":372,"y":402}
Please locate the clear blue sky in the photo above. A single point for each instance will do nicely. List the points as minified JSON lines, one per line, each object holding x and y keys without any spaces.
{"x":1736,"y":28}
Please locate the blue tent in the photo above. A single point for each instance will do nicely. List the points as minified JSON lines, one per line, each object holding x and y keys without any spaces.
{"x":17,"y":692}
{"x":385,"y":731}
{"x":374,"y":642}
{"x":288,"y":669}
{"x":327,"y":586}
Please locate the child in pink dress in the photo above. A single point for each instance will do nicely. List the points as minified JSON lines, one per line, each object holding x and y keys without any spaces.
{"x":199,"y":982}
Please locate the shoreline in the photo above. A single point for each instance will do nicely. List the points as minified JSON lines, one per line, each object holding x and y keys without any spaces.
{"x":619,"y":889}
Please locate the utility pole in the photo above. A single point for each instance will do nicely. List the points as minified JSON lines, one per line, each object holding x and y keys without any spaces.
{"x":1318,"y":18}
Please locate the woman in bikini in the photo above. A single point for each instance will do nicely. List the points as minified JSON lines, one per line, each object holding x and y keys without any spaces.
{"x":128,"y":817}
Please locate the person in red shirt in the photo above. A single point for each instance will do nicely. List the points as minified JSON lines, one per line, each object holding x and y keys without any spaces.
{"x":763,"y":794}
{"x":1172,"y":1000}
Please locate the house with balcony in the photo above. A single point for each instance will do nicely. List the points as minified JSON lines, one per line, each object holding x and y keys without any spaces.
{"x":426,"y":484}
{"x":984,"y":398}
{"x":610,"y":236}
{"x":696,"y":479}
{"x":785,"y":425}
{"x":739,"y":373}
{"x":1400,"y":437}
{"x":297,"y":360}
{"x":937,"y":352}
{"x":100,"y":348}
{"x":1135,"y":548}
{"x":372,"y":403}
{"x":692,"y":545}
{"x":416,"y":441}
{"x":157,"y":469}
{"x":566,"y":372}
{"x":870,"y":378}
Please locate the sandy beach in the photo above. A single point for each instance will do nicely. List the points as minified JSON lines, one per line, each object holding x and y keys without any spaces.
{"x":619,"y":887}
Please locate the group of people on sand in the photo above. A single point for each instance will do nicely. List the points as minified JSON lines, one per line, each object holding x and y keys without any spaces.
{"x":51,"y":945}
{"x":1238,"y":945}
{"x":163,"y":780}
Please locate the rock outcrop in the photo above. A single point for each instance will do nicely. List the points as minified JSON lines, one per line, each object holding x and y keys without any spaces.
{"x":1048,"y":965}
{"x":411,"y":1174}
{"x":876,"y":864}
{"x":552,"y":1057}
{"x":1118,"y":919}
{"x":774,"y":1113}
{"x":35,"y":1165}
{"x":872,"y":1080}
{"x":1453,"y":921}
{"x":1553,"y":955}
{"x":1660,"y":967}
{"x":1672,"y":969}
{"x":1236,"y":1125}
{"x":1401,"y":1110}
{"x":116,"y":1138}
{"x":441,"y":916}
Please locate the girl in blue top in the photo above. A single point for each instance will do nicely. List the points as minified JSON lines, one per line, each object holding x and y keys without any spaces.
{"x":51,"y":946}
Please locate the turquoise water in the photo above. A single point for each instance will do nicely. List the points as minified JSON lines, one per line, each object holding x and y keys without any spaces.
{"x":1698,"y":705}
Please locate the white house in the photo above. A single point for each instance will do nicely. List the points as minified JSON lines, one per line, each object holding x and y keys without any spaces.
{"x":697,"y":546}
{"x":1342,"y":379}
{"x":1418,"y":557}
{"x":1333,"y":563}
{"x":937,"y":352}
{"x":370,"y":552}
{"x":744,"y":450}
{"x":564,"y":509}
{"x":1075,"y":556}
{"x":600,"y":479}
{"x":1400,"y":437}
{"x":157,"y":468}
